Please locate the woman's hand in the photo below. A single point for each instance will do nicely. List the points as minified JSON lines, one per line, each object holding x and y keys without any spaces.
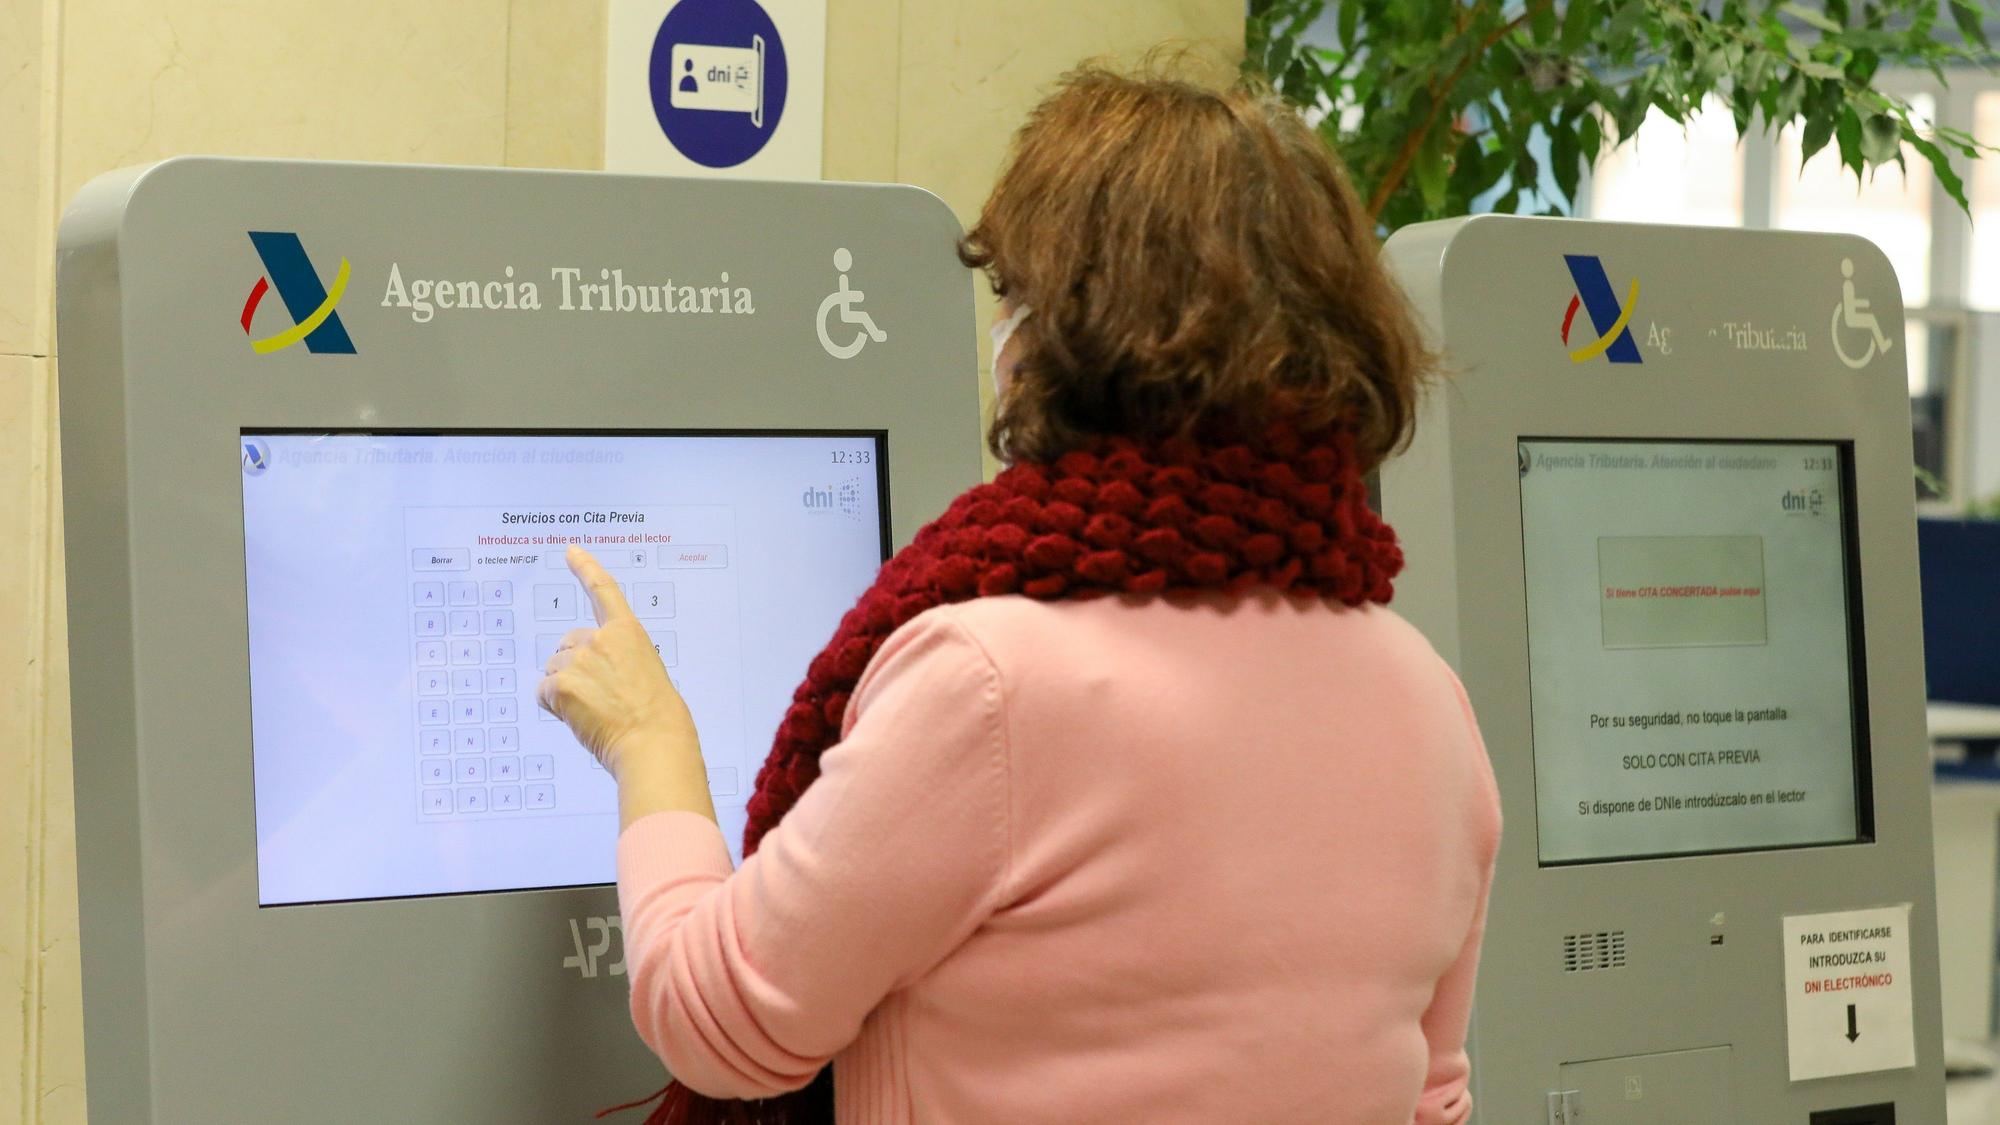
{"x":608,"y":684}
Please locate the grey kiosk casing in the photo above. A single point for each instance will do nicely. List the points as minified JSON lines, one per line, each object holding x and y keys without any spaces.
{"x":1653,"y":990}
{"x":199,"y":1005}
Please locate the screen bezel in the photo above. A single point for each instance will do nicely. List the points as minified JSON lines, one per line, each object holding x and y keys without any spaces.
{"x":1857,"y":661}
{"x":880,"y":438}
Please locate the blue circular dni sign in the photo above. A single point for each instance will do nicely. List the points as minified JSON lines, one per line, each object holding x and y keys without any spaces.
{"x":718,"y":80}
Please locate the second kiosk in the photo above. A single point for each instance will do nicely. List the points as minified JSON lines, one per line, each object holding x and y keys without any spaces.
{"x":1659,"y":518}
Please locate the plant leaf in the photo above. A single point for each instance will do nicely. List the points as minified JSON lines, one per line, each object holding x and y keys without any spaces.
{"x":1431,"y":173}
{"x":1623,"y":23}
{"x":1566,"y":158}
{"x":1631,"y":113}
{"x":1881,"y":138}
{"x":1756,"y":69}
{"x":1542,"y":23}
{"x":1468,"y":169}
{"x":1577,"y":22}
{"x":1791,"y":95}
{"x":1947,"y":178}
{"x":1299,"y":79}
{"x":1971,"y":22}
{"x":1709,"y":67}
{"x":1812,"y":16}
{"x":1818,"y":131}
{"x":1590,"y":137}
{"x":1847,"y":135}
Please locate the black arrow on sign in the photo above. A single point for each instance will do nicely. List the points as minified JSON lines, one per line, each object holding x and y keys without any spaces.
{"x":1852,"y":1034}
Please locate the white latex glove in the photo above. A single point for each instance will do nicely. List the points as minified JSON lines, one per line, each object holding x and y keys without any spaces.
{"x":608,"y":684}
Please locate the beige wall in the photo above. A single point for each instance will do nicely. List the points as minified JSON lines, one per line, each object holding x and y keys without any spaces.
{"x":921,"y":91}
{"x":965,"y":73}
{"x":92,"y":85}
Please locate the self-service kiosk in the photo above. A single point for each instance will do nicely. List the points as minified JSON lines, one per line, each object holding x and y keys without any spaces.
{"x":1659,"y":518}
{"x":327,"y":430}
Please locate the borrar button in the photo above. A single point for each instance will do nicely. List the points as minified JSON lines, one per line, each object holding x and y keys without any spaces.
{"x":441,"y":558}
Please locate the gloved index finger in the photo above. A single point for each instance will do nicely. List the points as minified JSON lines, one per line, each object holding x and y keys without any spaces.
{"x":607,"y":601}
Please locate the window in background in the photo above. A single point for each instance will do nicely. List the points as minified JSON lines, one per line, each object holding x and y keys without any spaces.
{"x":1930,"y":391}
{"x":1892,"y":208}
{"x":1670,"y":173}
{"x":1983,"y":290}
{"x":1924,"y":380}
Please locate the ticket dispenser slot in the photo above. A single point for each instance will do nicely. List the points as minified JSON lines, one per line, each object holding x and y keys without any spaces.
{"x":1668,"y":1088}
{"x":1883,"y":1114}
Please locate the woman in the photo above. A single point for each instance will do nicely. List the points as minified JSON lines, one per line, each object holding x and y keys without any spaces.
{"x":1120,"y":797}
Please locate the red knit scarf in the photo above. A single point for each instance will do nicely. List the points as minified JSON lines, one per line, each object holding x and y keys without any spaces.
{"x":1288,"y":512}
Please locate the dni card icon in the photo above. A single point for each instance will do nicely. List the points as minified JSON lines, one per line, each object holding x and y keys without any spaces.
{"x":730,"y":79}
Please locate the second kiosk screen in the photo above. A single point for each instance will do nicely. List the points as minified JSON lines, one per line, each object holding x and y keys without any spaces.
{"x":1693,"y":651}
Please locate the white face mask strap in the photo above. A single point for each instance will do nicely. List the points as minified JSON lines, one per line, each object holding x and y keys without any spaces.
{"x":1006,"y":327}
{"x":1001,"y":333}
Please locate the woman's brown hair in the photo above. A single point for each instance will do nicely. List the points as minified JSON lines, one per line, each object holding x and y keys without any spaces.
{"x":1195,"y":259}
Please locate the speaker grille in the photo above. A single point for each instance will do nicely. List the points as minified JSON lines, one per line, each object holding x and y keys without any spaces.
{"x":1583,"y":953}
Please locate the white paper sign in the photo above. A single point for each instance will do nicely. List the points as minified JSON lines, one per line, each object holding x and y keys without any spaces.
{"x":1848,"y":1007}
{"x":731,"y":88}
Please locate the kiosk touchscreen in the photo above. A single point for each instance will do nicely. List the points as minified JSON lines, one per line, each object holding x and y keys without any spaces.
{"x":1623,"y":619}
{"x":328,"y":431}
{"x":732,"y":566}
{"x":1660,"y":519}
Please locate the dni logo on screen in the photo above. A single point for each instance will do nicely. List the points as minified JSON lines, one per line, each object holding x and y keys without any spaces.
{"x":1803,"y":502}
{"x":843,"y":497}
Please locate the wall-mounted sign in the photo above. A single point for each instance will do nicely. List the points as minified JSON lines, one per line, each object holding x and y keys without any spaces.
{"x":716,"y":88}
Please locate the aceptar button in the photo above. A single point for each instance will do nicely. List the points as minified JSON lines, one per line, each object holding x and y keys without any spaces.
{"x":695,"y":556}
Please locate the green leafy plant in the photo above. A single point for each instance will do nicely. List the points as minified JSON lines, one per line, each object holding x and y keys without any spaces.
{"x":1434,"y":104}
{"x":1986,"y":509}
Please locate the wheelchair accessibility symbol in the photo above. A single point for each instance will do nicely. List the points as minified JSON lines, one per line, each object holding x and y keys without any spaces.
{"x":848,"y":302}
{"x":1851,"y":315}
